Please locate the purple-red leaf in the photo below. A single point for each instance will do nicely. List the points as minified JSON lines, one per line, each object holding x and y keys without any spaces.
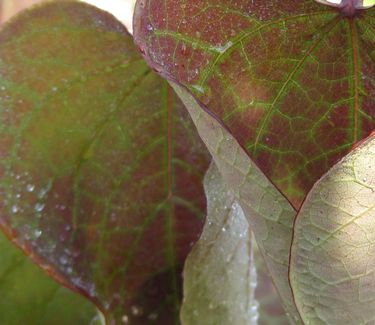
{"x":293,"y":81}
{"x":101,"y":168}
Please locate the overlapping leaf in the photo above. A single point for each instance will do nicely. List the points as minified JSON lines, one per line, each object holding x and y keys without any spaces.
{"x":268,"y":212}
{"x":293,"y":81}
{"x":332,"y":260}
{"x":101,"y":171}
{"x":219,"y":274}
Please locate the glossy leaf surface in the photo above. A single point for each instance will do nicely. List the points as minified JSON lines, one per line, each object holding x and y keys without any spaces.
{"x":333,"y":252}
{"x":29,"y":296}
{"x":269,"y":214}
{"x":219,"y":274}
{"x":101,"y":169}
{"x":293,"y":81}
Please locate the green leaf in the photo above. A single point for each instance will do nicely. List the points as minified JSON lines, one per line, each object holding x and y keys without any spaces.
{"x":293,"y":81}
{"x":332,"y":260}
{"x":28,"y":296}
{"x":269,"y":214}
{"x":219,"y":274}
{"x":101,"y":169}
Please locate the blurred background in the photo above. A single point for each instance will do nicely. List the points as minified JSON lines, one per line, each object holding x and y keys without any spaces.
{"x":122,"y":9}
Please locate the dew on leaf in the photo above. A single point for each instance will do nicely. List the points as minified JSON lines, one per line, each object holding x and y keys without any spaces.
{"x":42,"y":193}
{"x":37,"y":233}
{"x":39,"y":207}
{"x":183,"y":49}
{"x":136,"y":311}
{"x":221,"y":49}
{"x":15,"y":208}
{"x":198,"y":88}
{"x":153,"y":316}
{"x":63,"y":260}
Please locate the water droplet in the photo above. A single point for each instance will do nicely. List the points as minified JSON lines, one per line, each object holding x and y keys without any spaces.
{"x":254,"y":308}
{"x":30,"y":187}
{"x":198,"y":88}
{"x":222,"y":48}
{"x":136,"y":311}
{"x":37,"y":233}
{"x":15,"y":208}
{"x":183,"y":49}
{"x":63,"y":259}
{"x":150,"y":28}
{"x":45,"y":190}
{"x":39,"y":207}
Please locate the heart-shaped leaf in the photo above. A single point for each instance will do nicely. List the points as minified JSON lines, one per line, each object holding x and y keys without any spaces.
{"x":269,"y":214}
{"x":101,"y":168}
{"x":333,"y":253}
{"x":219,"y":274}
{"x":293,"y":81}
{"x":28,"y":296}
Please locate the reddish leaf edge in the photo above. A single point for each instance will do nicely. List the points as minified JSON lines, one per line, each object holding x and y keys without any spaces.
{"x":355,"y":146}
